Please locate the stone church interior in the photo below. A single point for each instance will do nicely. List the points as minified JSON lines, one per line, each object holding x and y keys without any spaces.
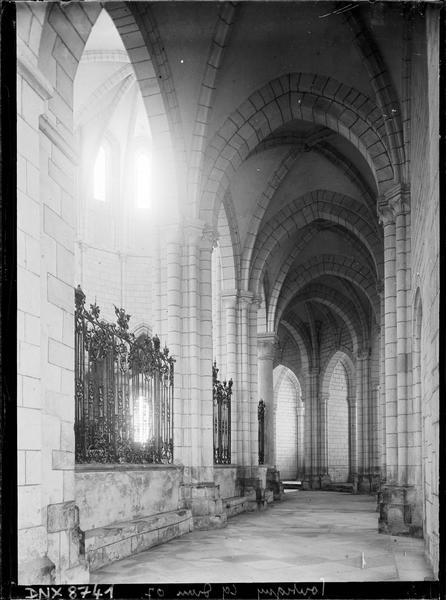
{"x":228,"y":275}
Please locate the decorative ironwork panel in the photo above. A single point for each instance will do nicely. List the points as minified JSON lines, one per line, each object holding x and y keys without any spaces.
{"x":222,"y":393}
{"x":124,"y":391}
{"x":261,"y":432}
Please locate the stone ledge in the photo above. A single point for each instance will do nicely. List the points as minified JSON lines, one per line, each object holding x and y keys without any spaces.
{"x":235,"y":505}
{"x":93,"y":467}
{"x":119,"y":540}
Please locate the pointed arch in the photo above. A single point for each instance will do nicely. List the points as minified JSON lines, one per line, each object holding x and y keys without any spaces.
{"x":303,"y":96}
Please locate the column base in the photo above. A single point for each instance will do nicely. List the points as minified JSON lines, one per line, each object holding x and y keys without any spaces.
{"x":325,"y":481}
{"x":400,"y":511}
{"x":254,"y":486}
{"x":368,"y":483}
{"x":274,"y":483}
{"x":203,"y":500}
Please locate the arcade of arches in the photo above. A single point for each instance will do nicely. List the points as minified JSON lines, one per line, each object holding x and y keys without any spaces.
{"x":257,"y":184}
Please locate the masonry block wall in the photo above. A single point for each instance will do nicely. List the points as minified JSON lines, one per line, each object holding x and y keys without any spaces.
{"x":338,"y":426}
{"x":425,"y":252}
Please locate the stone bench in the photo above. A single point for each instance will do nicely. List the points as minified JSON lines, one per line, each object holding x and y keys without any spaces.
{"x":235,"y":505}
{"x":104,"y":545}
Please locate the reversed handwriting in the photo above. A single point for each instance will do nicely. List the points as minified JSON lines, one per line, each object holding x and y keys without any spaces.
{"x":195,"y":592}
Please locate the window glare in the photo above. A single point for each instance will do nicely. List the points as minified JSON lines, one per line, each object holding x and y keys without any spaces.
{"x":99,"y":183}
{"x":143,"y":169}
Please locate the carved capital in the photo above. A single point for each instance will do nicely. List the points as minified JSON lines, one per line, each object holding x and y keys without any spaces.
{"x":384,"y":211}
{"x":193,"y":230}
{"x":399,"y":199}
{"x":363,"y":353}
{"x":246,"y":298}
{"x":380,"y":288}
{"x":266,"y":345}
{"x":209,"y":237}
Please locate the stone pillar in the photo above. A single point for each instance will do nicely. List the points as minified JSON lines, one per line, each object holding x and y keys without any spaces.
{"x":207,"y":242}
{"x":387,"y":219}
{"x":266,"y":349}
{"x":382,"y":388}
{"x":172,"y":236}
{"x":399,"y":503}
{"x":199,"y":492}
{"x":254,"y":382}
{"x":300,"y":440}
{"x":352,"y":420}
{"x":191,"y":343}
{"x":362,"y":389}
{"x":245,"y":300}
{"x":313,"y":424}
{"x":325,"y":479}
{"x":229,"y":302}
{"x":400,"y":205}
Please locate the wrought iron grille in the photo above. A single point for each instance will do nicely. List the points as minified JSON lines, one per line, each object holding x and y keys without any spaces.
{"x":124,"y":391}
{"x":261,"y":419}
{"x":222,"y":393}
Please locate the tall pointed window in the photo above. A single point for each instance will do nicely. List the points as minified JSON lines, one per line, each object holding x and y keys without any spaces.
{"x":143,"y":168}
{"x":100,"y":176}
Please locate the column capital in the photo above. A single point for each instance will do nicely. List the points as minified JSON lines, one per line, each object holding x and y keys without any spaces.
{"x":399,"y":199}
{"x":246,"y":298}
{"x":380,"y":288}
{"x":229,"y":298}
{"x":393,"y":203}
{"x":267,"y":344}
{"x":363,"y":353}
{"x":209,"y":237}
{"x":384,"y":211}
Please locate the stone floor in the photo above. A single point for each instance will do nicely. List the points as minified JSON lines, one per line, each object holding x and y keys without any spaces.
{"x":306,"y":536}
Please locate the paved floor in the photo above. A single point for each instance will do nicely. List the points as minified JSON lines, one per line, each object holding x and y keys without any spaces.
{"x":306,"y":536}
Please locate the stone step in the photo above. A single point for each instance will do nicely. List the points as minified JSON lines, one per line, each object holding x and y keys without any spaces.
{"x":341,"y":487}
{"x":104,"y":545}
{"x":292,"y":485}
{"x":235,"y":505}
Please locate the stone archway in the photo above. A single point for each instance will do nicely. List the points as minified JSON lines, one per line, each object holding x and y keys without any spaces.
{"x":289,"y":409}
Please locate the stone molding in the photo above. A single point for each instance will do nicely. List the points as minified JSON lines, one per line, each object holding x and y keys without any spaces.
{"x":67,"y":147}
{"x":32,"y":74}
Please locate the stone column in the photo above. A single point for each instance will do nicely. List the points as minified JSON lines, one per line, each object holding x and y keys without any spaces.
{"x":300,"y":439}
{"x":352,"y":420}
{"x":173,"y":238}
{"x":382,"y":388}
{"x":245,"y":300}
{"x":229,"y":302}
{"x":199,"y":492}
{"x":266,"y":349}
{"x":312,"y":425}
{"x":400,"y":205}
{"x":400,"y":503}
{"x":387,"y":219}
{"x":207,"y":242}
{"x":360,"y":412}
{"x":191,"y":346}
{"x":254,"y":382}
{"x":325,"y":478}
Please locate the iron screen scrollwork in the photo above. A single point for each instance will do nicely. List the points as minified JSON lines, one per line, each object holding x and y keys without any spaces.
{"x":222,"y":392}
{"x":123,"y":391}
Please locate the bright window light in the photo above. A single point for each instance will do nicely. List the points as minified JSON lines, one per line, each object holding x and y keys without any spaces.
{"x":141,"y":420}
{"x":100,"y":175}
{"x":143,"y":169}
